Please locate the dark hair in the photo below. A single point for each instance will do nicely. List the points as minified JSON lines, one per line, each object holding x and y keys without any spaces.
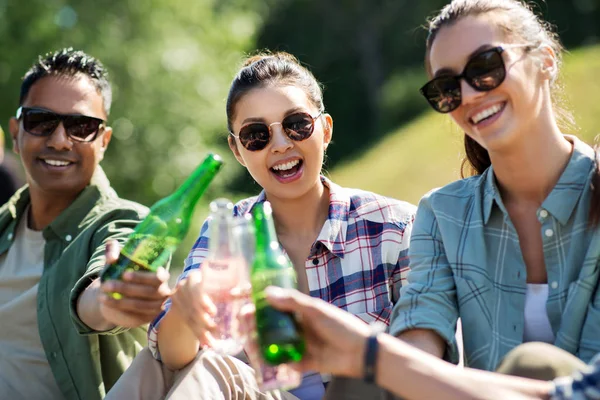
{"x":520,"y":22}
{"x":69,"y":62}
{"x":266,"y":69}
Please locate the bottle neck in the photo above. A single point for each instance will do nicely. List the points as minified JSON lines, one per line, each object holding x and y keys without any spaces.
{"x":221,"y":241}
{"x":266,"y":236}
{"x":195,"y":185}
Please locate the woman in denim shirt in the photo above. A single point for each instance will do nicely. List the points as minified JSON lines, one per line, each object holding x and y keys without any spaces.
{"x":512,"y":250}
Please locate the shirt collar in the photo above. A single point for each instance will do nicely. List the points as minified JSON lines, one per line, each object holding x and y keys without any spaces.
{"x":566,"y":193}
{"x":491,"y":194}
{"x":68,"y":224}
{"x":333,"y":233}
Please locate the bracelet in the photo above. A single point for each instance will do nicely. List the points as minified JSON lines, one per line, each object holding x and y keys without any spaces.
{"x":371,"y":358}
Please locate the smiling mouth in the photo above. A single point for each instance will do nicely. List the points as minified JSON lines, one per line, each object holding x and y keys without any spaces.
{"x":56,"y":163}
{"x":288,"y":169}
{"x":487,"y":113}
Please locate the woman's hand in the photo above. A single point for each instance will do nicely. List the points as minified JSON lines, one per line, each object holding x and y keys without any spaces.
{"x":195,"y":307}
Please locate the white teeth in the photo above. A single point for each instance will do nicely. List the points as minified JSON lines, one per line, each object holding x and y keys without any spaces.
{"x":57,"y":163}
{"x":488,"y":112}
{"x":286,"y":166}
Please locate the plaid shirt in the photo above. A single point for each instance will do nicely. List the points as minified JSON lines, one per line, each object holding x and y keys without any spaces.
{"x":358,"y":262}
{"x":466,"y":262}
{"x":584,"y":385}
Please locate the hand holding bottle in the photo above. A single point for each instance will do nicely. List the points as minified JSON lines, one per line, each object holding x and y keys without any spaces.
{"x":195,"y":307}
{"x":142,"y":294}
{"x":335,"y":339}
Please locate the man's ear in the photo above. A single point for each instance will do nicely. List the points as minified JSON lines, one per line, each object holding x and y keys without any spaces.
{"x":13,"y":127}
{"x":105,"y":140}
{"x":234,"y":149}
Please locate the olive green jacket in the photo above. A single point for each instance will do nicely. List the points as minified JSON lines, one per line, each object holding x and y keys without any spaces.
{"x":85,"y":363}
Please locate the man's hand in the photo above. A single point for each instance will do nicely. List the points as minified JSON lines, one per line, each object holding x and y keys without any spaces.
{"x":335,"y":339}
{"x":143,"y":294}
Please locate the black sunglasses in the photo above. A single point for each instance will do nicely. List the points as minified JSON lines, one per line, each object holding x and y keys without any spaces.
{"x":484,"y":72}
{"x":257,"y":135}
{"x":42,"y":122}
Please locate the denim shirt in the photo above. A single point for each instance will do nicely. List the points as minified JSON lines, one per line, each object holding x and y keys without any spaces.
{"x":85,"y":363}
{"x":466,"y":261}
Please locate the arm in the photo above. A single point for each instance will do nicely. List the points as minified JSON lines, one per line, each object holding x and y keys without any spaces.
{"x":143,"y":296}
{"x":89,"y":313}
{"x":187,"y":324}
{"x":426,"y":340}
{"x":88,"y":308}
{"x":336,"y":344}
{"x":426,"y":376}
{"x":427,"y":310}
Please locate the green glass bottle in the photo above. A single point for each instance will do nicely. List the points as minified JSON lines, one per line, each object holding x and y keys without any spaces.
{"x":157,"y":236}
{"x":279,"y":337}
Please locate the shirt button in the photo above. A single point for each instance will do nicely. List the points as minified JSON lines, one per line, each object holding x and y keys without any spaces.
{"x":53,"y":354}
{"x":10,"y":236}
{"x":549,"y":232}
{"x":315,"y":261}
{"x":68,"y":238}
{"x":543,"y":213}
{"x":554,"y":285}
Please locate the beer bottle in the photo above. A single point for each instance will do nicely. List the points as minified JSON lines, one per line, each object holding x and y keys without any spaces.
{"x":279,"y":338}
{"x":157,"y":236}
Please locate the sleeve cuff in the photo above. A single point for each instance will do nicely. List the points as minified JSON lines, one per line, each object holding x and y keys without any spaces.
{"x":79,"y":287}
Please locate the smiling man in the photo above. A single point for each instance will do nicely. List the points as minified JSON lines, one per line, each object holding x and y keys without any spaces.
{"x":61,"y":336}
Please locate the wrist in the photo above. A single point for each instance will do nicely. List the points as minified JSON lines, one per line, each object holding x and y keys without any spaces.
{"x":370,"y":358}
{"x":370,"y":354}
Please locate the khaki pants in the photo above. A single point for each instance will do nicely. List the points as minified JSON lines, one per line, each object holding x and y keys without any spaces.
{"x":530,"y":360}
{"x":208,"y":377}
{"x":211,"y":376}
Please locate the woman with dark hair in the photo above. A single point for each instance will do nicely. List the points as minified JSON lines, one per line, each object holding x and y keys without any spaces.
{"x":512,"y":250}
{"x":348,"y":246}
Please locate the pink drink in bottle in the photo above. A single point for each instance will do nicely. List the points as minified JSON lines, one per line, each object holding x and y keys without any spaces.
{"x":225,"y":278}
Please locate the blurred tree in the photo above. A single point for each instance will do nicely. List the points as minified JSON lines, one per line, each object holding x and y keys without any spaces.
{"x":170,"y":63}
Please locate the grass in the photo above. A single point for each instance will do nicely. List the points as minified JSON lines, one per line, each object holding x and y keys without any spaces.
{"x":426,"y":153}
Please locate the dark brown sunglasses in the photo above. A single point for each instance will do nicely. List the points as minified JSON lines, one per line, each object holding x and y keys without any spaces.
{"x":257,"y":135}
{"x":42,"y":122}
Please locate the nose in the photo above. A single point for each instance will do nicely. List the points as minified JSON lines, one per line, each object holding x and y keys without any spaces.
{"x":280,"y":141}
{"x":468,"y":94}
{"x":59,"y":140}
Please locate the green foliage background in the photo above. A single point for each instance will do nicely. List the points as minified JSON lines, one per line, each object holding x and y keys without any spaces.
{"x":171,"y":62}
